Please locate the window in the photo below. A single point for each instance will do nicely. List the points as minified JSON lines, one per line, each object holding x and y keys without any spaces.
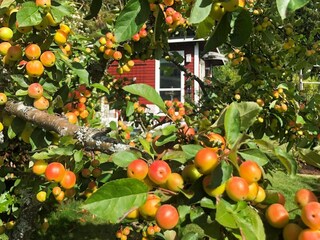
{"x":169,"y":80}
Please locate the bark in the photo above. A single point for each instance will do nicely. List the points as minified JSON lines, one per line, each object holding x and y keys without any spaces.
{"x":90,"y":138}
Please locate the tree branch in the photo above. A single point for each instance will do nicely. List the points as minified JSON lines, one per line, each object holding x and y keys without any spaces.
{"x":188,"y":73}
{"x":90,"y":138}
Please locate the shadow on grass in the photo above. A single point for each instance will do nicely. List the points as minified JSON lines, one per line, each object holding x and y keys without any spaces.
{"x":64,"y":229}
{"x":69,"y":221}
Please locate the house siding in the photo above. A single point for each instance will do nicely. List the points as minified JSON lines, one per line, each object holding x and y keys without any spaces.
{"x":144,"y":71}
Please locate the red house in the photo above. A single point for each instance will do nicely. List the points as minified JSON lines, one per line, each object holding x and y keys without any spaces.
{"x":166,"y":78}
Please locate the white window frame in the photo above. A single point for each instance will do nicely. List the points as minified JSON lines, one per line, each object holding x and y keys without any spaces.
{"x":157,"y":79}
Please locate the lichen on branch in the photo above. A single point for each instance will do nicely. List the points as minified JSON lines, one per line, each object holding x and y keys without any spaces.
{"x":90,"y":138}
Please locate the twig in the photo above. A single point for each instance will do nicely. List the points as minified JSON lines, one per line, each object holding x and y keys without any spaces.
{"x":188,"y":73}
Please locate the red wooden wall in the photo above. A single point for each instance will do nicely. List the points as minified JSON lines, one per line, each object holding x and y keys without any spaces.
{"x":144,"y":71}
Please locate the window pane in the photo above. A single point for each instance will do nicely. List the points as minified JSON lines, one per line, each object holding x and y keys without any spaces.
{"x":170,"y":76}
{"x":170,"y":95}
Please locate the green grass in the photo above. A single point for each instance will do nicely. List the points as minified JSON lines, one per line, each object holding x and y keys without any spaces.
{"x":70,"y":222}
{"x":288,"y":185}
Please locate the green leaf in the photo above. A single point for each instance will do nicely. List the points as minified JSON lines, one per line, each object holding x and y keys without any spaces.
{"x":221,"y":174}
{"x":242,"y":217}
{"x":190,"y":150}
{"x":60,"y":11}
{"x":40,"y":139}
{"x":20,"y":80}
{"x":282,"y":6}
{"x":100,"y":87}
{"x":287,"y":160}
{"x":159,"y":24}
{"x":200,"y":10}
{"x":29,"y":15}
{"x":6,"y":3}
{"x":299,"y":119}
{"x":146,"y":145}
{"x":242,"y":29}
{"x":81,"y":72}
{"x":178,"y":156}
{"x":62,"y":151}
{"x":220,"y":34}
{"x":255,"y":155}
{"x":190,"y":236}
{"x":165,"y":139}
{"x":129,"y":109}
{"x":196,"y":213}
{"x":296,"y":4}
{"x":94,"y":9}
{"x":207,"y":203}
{"x":248,"y":113}
{"x":169,"y":130}
{"x":50,"y":87}
{"x":78,"y":155}
{"x":224,"y":214}
{"x":21,"y":92}
{"x":6,"y":200}
{"x":114,"y":199}
{"x":147,"y":92}
{"x":123,"y":158}
{"x":204,"y":28}
{"x":232,"y":124}
{"x":42,"y":155}
{"x":57,"y":102}
{"x":250,"y":224}
{"x":131,"y":19}
{"x":183,"y":210}
{"x":16,"y":127}
{"x":310,"y":157}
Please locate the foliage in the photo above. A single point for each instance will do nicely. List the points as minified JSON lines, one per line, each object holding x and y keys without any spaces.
{"x":258,"y":117}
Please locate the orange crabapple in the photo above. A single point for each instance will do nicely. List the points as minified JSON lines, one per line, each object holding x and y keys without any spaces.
{"x":237,"y":188}
{"x":159,"y":172}
{"x":137,"y":169}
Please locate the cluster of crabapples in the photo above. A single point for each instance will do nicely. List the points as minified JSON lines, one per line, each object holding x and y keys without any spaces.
{"x":159,"y":174}
{"x":280,"y":96}
{"x":139,"y":108}
{"x":76,"y":106}
{"x":35,"y":61}
{"x":64,"y":180}
{"x":241,"y":187}
{"x":32,"y":58}
{"x":109,"y":48}
{"x":124,"y":130}
{"x":147,"y":233}
{"x":219,"y":8}
{"x":236,"y":57}
{"x":304,"y":227}
{"x":91,"y":173}
{"x":175,"y":110}
{"x":266,"y":23}
{"x":35,"y":91}
{"x":173,"y":18}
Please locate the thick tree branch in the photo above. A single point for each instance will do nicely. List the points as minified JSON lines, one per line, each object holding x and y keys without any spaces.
{"x":90,"y":138}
